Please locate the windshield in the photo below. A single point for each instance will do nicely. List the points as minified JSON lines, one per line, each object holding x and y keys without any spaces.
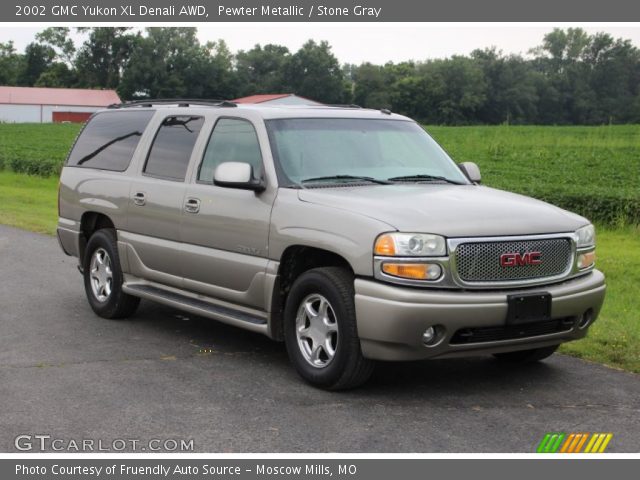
{"x":320,"y":149}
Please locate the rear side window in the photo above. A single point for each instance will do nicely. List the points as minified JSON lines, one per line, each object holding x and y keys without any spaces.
{"x":172,"y":147}
{"x":232,"y":140}
{"x":108,"y":141}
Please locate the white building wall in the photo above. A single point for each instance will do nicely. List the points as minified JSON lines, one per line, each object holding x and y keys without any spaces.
{"x":20,"y":113}
{"x":37,"y":113}
{"x":291,"y":100}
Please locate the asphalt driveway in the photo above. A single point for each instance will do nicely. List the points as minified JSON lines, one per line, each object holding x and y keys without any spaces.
{"x":163,"y":374}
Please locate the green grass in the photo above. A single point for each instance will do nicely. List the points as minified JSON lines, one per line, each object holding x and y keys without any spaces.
{"x":592,"y":170}
{"x":614,"y":338}
{"x":29,"y":202}
{"x":36,"y":148}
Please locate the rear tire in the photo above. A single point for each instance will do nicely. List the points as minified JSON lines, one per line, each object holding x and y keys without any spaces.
{"x":527,"y":356}
{"x":103,"y":277}
{"x":321,"y":331}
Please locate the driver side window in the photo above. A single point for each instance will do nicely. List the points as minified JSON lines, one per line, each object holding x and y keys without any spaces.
{"x":232,"y":140}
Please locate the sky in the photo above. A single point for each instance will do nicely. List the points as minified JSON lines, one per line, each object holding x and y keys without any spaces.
{"x":375,"y":43}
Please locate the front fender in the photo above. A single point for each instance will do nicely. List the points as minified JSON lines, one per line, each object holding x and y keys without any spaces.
{"x":342,"y":232}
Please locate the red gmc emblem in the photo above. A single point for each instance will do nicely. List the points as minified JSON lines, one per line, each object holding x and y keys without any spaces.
{"x":520,"y":259}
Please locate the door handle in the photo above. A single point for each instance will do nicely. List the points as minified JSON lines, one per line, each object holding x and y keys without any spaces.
{"x":192,"y":205}
{"x":139,"y":198}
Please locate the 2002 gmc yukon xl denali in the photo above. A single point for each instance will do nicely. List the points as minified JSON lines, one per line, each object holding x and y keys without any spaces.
{"x":347,"y":233}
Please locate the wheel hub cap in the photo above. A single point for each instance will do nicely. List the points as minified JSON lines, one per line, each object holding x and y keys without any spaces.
{"x":317,"y":330}
{"x":101,"y":275}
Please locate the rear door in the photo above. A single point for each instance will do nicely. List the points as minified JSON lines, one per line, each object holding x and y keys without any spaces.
{"x":156,"y":201}
{"x":226,"y":236}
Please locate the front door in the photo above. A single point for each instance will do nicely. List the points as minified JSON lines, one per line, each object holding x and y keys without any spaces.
{"x":225,"y":230}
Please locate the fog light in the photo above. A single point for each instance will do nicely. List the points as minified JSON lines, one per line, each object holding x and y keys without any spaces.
{"x":586,"y":319}
{"x":429,"y":335}
{"x":585,"y":260}
{"x":413,"y":271}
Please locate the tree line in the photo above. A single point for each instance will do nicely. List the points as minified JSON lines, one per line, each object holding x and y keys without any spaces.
{"x":570,"y":78}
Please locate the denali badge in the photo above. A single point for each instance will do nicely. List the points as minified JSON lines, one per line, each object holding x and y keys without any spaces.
{"x":520,"y":259}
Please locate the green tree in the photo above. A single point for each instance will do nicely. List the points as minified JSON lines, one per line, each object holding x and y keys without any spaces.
{"x":262,"y":69}
{"x":57,"y":75}
{"x":314,"y":72}
{"x":450,"y":91}
{"x":10,"y":64}
{"x":58,"y":39}
{"x":171,"y":62}
{"x":37,"y":59}
{"x":614,"y":77}
{"x":372,"y":86}
{"x":595,"y":79}
{"x":102,"y":58}
{"x":511,"y":89}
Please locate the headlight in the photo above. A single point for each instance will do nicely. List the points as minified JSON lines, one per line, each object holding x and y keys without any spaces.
{"x":586,"y":236}
{"x":410,"y":245}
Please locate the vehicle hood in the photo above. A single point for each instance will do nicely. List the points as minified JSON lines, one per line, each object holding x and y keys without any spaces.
{"x":449,"y":210}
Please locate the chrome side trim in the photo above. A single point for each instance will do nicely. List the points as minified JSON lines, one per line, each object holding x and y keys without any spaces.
{"x":248,"y":319}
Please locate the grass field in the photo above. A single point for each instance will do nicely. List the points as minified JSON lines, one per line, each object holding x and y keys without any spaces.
{"x":29,"y":202}
{"x":594,"y":171}
{"x":615,"y":337}
{"x":579,"y":165}
{"x":35,"y":148}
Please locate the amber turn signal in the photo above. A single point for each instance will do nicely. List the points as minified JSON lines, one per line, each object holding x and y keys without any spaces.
{"x":413,"y":271}
{"x":585,"y":260}
{"x":385,"y":246}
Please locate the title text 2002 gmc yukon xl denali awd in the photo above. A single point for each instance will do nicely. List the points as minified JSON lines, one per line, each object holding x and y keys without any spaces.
{"x":347,"y":233}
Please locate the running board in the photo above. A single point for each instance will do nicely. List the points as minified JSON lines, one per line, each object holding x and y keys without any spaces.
{"x":196,"y":306}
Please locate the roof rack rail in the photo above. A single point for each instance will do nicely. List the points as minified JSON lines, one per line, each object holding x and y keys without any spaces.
{"x":181,"y":102}
{"x":341,"y":105}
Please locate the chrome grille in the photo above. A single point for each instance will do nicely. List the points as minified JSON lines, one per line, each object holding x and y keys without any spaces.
{"x":480,"y":261}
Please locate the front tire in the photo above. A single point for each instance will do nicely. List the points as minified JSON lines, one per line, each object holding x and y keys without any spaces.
{"x":321,"y":331}
{"x":103,"y":277}
{"x":527,"y":356}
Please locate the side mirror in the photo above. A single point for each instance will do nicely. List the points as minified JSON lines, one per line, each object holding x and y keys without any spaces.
{"x":237,"y":175}
{"x":472,"y":171}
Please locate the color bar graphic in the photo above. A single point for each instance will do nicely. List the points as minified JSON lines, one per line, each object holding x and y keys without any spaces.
{"x":560,"y":442}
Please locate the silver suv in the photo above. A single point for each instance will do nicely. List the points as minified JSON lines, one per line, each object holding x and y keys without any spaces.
{"x":347,"y":233}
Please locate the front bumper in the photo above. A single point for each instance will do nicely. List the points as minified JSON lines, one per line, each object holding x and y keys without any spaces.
{"x":392,"y":319}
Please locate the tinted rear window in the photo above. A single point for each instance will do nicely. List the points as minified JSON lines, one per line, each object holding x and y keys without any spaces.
{"x":171,"y":150}
{"x":108,"y":141}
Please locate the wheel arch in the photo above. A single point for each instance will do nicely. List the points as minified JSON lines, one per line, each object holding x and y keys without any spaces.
{"x":295,"y":260}
{"x":91,"y":222}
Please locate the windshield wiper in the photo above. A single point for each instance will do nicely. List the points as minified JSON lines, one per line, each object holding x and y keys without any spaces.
{"x":346,"y":177}
{"x":418,"y":178}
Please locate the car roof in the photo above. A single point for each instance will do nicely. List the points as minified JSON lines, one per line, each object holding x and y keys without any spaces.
{"x":267,"y":112}
{"x":313,"y":111}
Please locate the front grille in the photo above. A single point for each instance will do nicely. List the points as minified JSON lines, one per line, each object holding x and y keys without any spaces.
{"x":511,"y":332}
{"x":480,"y":261}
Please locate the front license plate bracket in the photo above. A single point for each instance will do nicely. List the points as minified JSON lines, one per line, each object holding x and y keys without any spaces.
{"x":528,"y":308}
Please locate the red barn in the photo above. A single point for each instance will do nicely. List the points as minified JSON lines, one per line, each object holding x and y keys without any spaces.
{"x":45,"y":105}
